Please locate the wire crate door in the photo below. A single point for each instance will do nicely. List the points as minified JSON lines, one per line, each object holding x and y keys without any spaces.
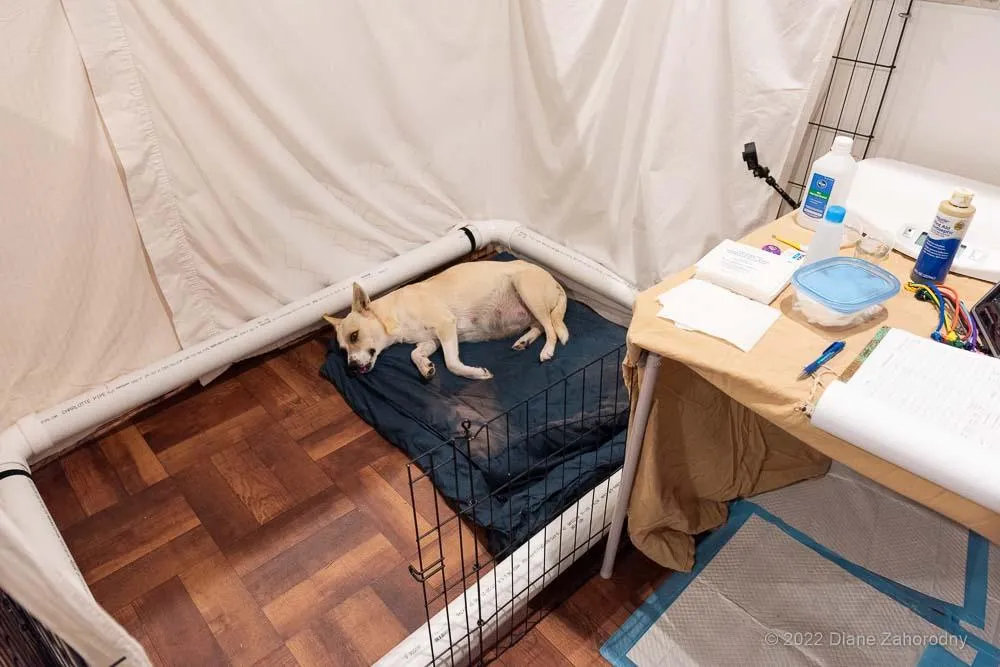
{"x":506,"y":513}
{"x":450,"y":557}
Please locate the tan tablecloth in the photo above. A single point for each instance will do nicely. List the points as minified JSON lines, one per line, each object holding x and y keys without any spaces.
{"x":726,"y":424}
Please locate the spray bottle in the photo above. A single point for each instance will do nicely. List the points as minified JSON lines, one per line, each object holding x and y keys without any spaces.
{"x":825,"y":243}
{"x":944,"y":238}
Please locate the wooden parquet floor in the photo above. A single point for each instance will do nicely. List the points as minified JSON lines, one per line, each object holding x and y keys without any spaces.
{"x":259,"y":521}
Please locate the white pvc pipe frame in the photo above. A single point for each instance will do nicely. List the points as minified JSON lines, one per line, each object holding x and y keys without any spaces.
{"x":40,"y":435}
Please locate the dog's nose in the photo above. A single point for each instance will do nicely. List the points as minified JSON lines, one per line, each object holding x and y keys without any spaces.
{"x":354,"y":368}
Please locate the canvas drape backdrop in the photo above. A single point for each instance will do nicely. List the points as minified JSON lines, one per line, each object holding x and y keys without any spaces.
{"x":79,"y":305}
{"x":271,"y":149}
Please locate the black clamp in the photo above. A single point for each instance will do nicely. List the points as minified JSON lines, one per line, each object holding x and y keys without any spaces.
{"x":760,"y":171}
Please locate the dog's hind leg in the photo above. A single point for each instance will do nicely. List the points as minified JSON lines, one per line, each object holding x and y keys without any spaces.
{"x":558,"y":315}
{"x":448,"y":335}
{"x":420,"y":355}
{"x":529,"y":337}
{"x":541,"y":307}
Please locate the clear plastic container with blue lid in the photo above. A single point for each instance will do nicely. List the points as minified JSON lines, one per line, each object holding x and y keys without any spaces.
{"x":842,"y":291}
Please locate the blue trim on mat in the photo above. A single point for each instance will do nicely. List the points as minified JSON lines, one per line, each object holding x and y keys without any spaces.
{"x":936,"y":655}
{"x":977,"y":567}
{"x":944,"y":615}
{"x":974,"y":609}
{"x":985,"y":660}
{"x":616,"y":649}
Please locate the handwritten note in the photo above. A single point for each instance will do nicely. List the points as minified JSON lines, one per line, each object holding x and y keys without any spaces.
{"x":927,"y":407}
{"x":950,"y":388}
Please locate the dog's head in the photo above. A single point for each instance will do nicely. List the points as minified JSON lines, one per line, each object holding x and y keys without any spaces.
{"x":360,"y":334}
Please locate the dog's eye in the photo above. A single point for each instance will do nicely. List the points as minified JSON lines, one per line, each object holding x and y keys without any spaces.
{"x":353,"y":337}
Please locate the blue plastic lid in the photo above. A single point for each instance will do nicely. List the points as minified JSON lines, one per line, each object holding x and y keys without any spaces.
{"x":846,"y":284}
{"x":836,"y":213}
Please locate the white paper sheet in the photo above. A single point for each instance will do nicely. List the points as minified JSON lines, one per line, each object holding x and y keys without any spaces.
{"x":702,"y":306}
{"x":928,"y":408}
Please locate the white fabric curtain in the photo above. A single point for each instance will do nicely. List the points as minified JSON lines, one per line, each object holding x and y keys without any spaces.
{"x":273,"y":148}
{"x":77,"y":297}
{"x":78,"y":301}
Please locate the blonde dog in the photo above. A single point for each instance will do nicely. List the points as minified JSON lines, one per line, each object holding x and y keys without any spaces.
{"x":474,"y":301}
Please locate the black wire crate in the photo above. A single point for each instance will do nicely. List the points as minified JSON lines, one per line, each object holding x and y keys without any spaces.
{"x":24,"y":641}
{"x":536,"y":487}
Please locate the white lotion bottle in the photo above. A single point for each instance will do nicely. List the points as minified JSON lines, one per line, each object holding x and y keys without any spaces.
{"x":829,"y":234}
{"x":829,"y":183}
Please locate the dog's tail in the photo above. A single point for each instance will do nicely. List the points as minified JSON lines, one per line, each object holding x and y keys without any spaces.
{"x":558,"y":313}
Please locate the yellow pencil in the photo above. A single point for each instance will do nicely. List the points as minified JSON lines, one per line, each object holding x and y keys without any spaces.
{"x":788,"y":243}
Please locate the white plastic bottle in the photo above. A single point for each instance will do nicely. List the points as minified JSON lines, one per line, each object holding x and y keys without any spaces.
{"x":829,"y":183}
{"x":828,"y":236}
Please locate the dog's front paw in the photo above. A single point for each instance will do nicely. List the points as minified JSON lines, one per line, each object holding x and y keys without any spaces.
{"x":520,"y":345}
{"x":428,"y":371}
{"x":546,"y":354}
{"x":481,"y":374}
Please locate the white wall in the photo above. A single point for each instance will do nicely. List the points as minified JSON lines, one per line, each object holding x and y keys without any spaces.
{"x":943,"y":107}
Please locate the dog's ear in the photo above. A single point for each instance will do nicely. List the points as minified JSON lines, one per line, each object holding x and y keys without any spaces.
{"x":333,"y":321}
{"x":361,"y":301}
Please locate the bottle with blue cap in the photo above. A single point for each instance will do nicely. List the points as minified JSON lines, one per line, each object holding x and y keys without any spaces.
{"x":828,"y":236}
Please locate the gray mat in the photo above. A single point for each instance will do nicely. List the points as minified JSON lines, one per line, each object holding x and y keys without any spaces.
{"x":877,"y":529}
{"x":766,"y":599}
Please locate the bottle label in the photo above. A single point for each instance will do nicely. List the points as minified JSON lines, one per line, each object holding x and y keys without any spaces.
{"x":818,"y":196}
{"x":947,"y":227}
{"x":940,"y":247}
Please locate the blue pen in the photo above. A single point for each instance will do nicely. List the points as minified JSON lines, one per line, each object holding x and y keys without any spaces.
{"x":828,"y":354}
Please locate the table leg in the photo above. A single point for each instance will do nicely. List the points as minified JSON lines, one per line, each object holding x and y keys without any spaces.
{"x":633,"y":446}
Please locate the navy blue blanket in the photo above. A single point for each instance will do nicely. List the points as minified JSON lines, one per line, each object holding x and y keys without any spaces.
{"x":541,"y":435}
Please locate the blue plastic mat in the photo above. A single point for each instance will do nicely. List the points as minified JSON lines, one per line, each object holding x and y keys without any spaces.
{"x":544,"y":433}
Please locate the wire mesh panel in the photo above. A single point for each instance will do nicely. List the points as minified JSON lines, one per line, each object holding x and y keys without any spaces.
{"x":539,"y":481}
{"x":24,"y":642}
{"x":855,"y":88}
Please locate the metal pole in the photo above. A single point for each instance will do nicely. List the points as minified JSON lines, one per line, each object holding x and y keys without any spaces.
{"x":633,"y":447}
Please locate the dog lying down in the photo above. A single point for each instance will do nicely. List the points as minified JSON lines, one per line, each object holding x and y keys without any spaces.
{"x":470,"y":302}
